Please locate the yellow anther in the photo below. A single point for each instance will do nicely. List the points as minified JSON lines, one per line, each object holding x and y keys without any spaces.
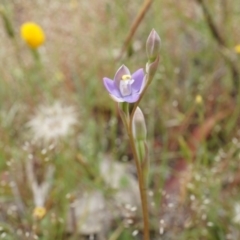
{"x":126,"y":77}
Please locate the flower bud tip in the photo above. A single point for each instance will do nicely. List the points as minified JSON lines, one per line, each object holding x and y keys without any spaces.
{"x":153,"y":45}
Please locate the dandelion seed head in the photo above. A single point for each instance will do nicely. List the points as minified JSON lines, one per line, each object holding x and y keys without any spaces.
{"x":9,"y":163}
{"x":190,"y":186}
{"x":52,"y":122}
{"x":129,"y":221}
{"x":170,"y":205}
{"x":135,"y":233}
{"x":210,"y":224}
{"x":206,"y":201}
{"x":150,"y":193}
{"x":133,"y":209}
{"x":192,"y":197}
{"x":3,"y":235}
{"x":44,"y":151}
{"x":161,"y":230}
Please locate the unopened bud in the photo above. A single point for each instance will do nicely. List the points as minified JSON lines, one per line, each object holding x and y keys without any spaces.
{"x":138,"y":126}
{"x":153,"y":45}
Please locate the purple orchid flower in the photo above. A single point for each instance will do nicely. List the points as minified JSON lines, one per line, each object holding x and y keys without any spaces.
{"x":125,"y":87}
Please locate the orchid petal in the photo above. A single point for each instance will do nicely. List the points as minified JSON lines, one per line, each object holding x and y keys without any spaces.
{"x":138,"y":77}
{"x":131,"y":98}
{"x":110,"y":86}
{"x":116,"y":99}
{"x":123,"y":70}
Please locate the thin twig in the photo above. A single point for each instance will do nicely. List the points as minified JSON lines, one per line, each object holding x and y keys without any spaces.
{"x":80,"y":159}
{"x":145,"y":6}
{"x":216,"y":34}
{"x":222,"y":43}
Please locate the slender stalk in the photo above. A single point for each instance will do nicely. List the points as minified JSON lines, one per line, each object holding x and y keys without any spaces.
{"x":141,"y":171}
{"x":141,"y":180}
{"x":141,"y":184}
{"x":146,"y":5}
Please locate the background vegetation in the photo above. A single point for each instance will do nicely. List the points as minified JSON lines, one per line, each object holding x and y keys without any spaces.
{"x":191,"y":108}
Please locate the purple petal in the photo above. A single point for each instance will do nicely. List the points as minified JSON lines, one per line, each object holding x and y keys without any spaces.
{"x":123,"y":70}
{"x":116,"y":99}
{"x":110,"y":86}
{"x":131,"y":98}
{"x":138,"y":77}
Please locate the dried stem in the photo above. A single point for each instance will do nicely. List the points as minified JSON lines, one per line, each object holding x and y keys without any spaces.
{"x":80,"y":159}
{"x":146,"y":5}
{"x":222,"y":43}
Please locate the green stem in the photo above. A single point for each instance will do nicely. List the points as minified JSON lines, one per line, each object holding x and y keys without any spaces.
{"x":141,"y":184}
{"x":141,"y":167}
{"x":141,"y":171}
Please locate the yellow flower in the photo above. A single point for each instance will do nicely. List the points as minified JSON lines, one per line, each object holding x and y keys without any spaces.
{"x":32,"y":34}
{"x":39,"y":212}
{"x":237,"y":48}
{"x":198,"y":99}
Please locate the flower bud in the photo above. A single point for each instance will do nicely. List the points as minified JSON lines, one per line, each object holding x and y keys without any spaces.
{"x":153,"y":45}
{"x":138,"y":126}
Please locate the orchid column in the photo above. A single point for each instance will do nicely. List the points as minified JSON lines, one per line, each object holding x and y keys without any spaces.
{"x":127,"y":88}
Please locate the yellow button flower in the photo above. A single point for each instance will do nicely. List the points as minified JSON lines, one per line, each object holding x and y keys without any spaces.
{"x":39,"y":212}
{"x":32,"y":34}
{"x":237,"y":48}
{"x":198,"y":99}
